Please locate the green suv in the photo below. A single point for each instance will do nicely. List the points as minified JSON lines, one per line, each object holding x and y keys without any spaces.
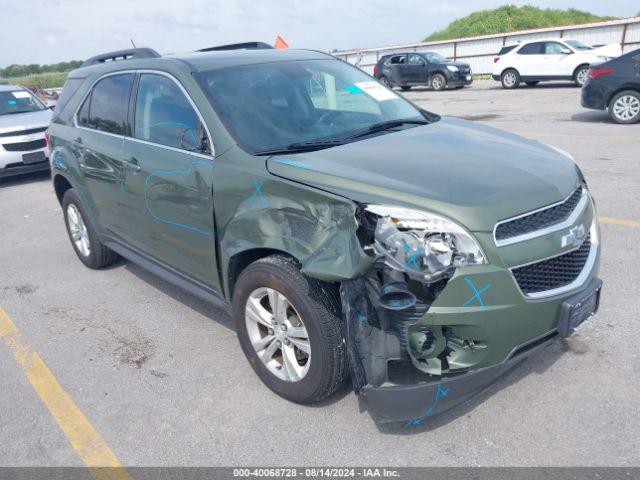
{"x":349,"y":232}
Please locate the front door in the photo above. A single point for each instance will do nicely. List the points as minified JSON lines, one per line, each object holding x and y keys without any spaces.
{"x":169,"y":178}
{"x":416,"y":70}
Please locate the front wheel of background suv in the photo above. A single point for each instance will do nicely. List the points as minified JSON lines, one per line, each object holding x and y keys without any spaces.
{"x":290,"y":329}
{"x":83,"y":236}
{"x":510,"y":79}
{"x":624,"y":107}
{"x":581,"y":75}
{"x":438,"y":82}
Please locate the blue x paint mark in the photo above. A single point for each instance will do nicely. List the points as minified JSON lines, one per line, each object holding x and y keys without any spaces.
{"x":257,"y":193}
{"x":477,"y":293}
{"x":440,"y":393}
{"x":413,"y":256}
{"x":294,"y":163}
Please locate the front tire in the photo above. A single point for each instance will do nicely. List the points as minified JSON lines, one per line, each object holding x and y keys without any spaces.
{"x":624,"y":107}
{"x":290,"y":329}
{"x":83,"y":235}
{"x":510,"y":79}
{"x":438,"y":82}
{"x":581,"y":75}
{"x":405,"y":88}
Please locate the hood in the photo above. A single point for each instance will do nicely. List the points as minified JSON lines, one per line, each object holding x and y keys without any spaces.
{"x":24,"y":121}
{"x":470,"y":172}
{"x":612,"y":50}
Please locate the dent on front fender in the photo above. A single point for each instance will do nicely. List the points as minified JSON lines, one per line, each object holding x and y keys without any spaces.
{"x":318,"y":229}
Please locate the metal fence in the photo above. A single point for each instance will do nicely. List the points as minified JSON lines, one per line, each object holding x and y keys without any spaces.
{"x":479,"y":51}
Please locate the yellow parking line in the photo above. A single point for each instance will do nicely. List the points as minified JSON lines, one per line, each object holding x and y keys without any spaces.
{"x":84,"y":439}
{"x":619,"y":221}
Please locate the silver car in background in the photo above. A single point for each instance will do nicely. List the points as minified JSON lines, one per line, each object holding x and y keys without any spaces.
{"x":23,"y":121}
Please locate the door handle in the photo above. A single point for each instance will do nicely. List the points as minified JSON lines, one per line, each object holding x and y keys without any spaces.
{"x":132,"y":163}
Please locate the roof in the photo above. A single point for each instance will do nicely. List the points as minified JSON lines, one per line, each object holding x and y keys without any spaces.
{"x":9,"y":88}
{"x":201,"y":61}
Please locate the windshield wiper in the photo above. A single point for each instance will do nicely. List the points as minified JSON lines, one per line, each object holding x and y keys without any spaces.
{"x":300,"y":147}
{"x":382,"y":126}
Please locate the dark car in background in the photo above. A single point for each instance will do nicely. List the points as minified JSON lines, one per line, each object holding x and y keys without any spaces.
{"x":406,"y":70}
{"x":615,"y":86}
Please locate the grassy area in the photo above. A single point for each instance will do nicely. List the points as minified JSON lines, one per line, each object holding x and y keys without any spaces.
{"x":510,"y":18}
{"x":42,"y":80}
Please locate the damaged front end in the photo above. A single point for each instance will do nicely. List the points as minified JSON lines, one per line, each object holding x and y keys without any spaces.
{"x":403,"y":366}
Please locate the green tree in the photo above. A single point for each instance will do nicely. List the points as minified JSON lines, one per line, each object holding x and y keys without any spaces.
{"x":509,"y":18}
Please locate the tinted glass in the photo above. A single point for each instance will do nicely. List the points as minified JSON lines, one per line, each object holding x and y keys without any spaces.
{"x":507,"y":49}
{"x":434,"y":57}
{"x":19,"y":101}
{"x":555,"y":48}
{"x":164,"y":115}
{"x":415,"y":60}
{"x":272,"y":105}
{"x":397,"y":59}
{"x":536,"y":48}
{"x":68,"y":90}
{"x":578,"y":45}
{"x":108,"y":106}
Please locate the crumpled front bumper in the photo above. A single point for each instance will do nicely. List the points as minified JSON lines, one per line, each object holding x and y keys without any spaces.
{"x":414,"y":403}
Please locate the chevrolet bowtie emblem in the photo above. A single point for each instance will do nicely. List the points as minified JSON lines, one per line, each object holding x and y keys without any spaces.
{"x":575,"y":236}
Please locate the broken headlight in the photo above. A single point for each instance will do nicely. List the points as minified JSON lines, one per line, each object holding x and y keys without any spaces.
{"x":426,"y":246}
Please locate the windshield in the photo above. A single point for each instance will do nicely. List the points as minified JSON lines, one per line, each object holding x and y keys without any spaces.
{"x":578,"y":45}
{"x":433,"y":57}
{"x":19,"y":101}
{"x":272,"y":105}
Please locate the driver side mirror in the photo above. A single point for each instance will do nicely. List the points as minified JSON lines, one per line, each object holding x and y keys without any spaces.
{"x":566,"y":51}
{"x":195,"y":140}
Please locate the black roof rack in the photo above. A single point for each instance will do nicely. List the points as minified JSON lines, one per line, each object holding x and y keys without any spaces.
{"x":238,"y":46}
{"x":122,"y":55}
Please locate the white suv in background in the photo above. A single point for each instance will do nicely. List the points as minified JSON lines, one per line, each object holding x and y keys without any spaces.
{"x":554,"y":59}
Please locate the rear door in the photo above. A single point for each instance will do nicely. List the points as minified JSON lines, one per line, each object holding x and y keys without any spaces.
{"x":98,"y":143}
{"x":530,"y":60}
{"x":395,"y":69}
{"x":169,"y":179}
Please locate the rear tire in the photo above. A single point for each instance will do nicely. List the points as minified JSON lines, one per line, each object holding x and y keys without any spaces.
{"x":533,"y":83}
{"x":386,"y":82}
{"x":510,"y":79}
{"x":405,"y":87}
{"x":624,"y":107}
{"x":581,"y":75}
{"x":438,"y":82}
{"x":83,"y":235}
{"x":308,"y":303}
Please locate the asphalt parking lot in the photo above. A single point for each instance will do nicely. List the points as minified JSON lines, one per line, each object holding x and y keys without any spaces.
{"x":160,"y":376}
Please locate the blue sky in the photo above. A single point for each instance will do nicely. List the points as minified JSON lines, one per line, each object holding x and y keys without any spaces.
{"x":37,"y":31}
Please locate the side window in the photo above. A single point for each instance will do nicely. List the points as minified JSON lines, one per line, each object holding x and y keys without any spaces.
{"x":415,"y":59}
{"x":105,"y":109}
{"x":165,"y":116}
{"x":535,"y":48}
{"x":69,"y":88}
{"x":555,"y":48}
{"x":396,"y":60}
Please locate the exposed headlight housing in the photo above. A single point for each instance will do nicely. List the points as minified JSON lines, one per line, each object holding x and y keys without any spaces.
{"x":452,"y":68}
{"x":425,"y":246}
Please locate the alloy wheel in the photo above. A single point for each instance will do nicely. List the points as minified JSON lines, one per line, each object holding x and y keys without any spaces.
{"x":581,"y":76}
{"x":78,"y":229}
{"x":436,"y":82}
{"x":278,"y":334}
{"x":626,"y":107}
{"x":510,"y":79}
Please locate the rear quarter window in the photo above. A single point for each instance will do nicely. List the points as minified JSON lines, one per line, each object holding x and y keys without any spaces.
{"x":69,"y":89}
{"x":505,"y":50}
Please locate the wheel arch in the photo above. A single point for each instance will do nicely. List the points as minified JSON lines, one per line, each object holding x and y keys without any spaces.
{"x":241,"y":260}
{"x":575,"y":70}
{"x":635,"y":88}
{"x":509,"y":68}
{"x":60,"y":185}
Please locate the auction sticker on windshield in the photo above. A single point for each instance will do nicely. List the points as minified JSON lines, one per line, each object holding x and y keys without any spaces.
{"x":376,"y":91}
